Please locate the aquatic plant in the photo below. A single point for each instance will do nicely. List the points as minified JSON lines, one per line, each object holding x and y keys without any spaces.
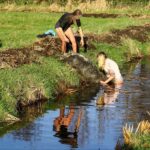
{"x":138,"y":138}
{"x":132,"y":50}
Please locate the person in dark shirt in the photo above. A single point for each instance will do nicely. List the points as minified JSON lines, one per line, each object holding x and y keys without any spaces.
{"x":64,"y":31}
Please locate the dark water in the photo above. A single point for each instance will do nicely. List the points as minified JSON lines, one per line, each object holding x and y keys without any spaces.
{"x":76,"y":122}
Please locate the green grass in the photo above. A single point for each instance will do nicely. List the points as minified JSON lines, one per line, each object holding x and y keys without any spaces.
{"x":139,"y":142}
{"x":16,"y":83}
{"x":19,"y":29}
{"x":100,"y":25}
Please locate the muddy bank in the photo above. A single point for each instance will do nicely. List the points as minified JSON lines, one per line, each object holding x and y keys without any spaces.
{"x":50,"y":46}
{"x":16,"y":57}
{"x":106,"y":15}
{"x":139,"y":33}
{"x":102,"y":15}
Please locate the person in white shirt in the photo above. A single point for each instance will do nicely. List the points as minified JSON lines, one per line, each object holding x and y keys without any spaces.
{"x":111,"y":69}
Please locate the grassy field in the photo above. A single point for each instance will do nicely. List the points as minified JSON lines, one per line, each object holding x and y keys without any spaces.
{"x":20,"y":29}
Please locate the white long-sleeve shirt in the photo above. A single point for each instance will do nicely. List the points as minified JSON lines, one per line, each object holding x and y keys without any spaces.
{"x":111,"y":68}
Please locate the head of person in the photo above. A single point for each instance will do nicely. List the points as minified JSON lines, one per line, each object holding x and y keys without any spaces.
{"x":101,"y":57}
{"x":77,"y":14}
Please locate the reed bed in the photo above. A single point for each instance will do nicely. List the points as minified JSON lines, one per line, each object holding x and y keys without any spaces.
{"x":137,"y":138}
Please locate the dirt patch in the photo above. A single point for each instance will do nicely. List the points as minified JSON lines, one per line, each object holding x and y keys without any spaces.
{"x":102,"y":15}
{"x":48,"y":46}
{"x":140,"y":33}
{"x":106,"y":15}
{"x":17,"y":57}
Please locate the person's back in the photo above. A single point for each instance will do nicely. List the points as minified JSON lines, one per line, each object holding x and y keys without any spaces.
{"x":65,"y":21}
{"x":111,"y":67}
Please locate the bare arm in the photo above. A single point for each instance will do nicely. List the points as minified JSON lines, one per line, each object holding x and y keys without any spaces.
{"x":108,"y":80}
{"x":111,"y":76}
{"x":81,"y":35}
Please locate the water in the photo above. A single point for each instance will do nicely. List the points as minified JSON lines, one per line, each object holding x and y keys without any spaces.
{"x":77,"y":122}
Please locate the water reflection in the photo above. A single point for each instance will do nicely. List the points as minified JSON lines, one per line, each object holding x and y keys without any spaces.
{"x":67,"y":125}
{"x":109,"y":95}
{"x":28,"y":116}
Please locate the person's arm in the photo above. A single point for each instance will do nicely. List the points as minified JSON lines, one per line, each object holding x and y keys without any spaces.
{"x":82,"y":36}
{"x":107,"y":81}
{"x":80,"y":31}
{"x":111,"y":76}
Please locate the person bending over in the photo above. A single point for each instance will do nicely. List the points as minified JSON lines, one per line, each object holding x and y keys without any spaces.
{"x":111,"y":69}
{"x":64,"y":31}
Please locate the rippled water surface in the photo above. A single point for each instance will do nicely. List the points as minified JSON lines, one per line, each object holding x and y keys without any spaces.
{"x":77,"y":122}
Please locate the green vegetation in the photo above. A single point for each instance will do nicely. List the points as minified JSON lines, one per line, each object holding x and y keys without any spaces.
{"x":140,"y":142}
{"x":20,"y":29}
{"x":138,"y":139}
{"x":87,"y":6}
{"x":63,"y":2}
{"x":17,"y":84}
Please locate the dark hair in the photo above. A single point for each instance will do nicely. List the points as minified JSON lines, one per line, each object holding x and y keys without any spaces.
{"x":77,"y":12}
{"x":102,"y":53}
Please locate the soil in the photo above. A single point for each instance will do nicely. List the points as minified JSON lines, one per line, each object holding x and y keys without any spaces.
{"x":140,"y":33}
{"x":106,"y":15}
{"x":16,"y":57}
{"x":101,"y":15}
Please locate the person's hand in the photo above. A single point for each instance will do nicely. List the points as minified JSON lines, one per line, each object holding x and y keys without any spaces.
{"x":103,"y":83}
{"x":82,"y":42}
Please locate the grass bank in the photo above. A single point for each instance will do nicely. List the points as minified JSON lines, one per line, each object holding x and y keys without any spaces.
{"x":19,"y":84}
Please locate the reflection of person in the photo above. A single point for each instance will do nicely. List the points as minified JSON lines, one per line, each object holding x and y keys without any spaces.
{"x":111,"y":69}
{"x":62,"y":122}
{"x":64,"y":31}
{"x":108,"y":97}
